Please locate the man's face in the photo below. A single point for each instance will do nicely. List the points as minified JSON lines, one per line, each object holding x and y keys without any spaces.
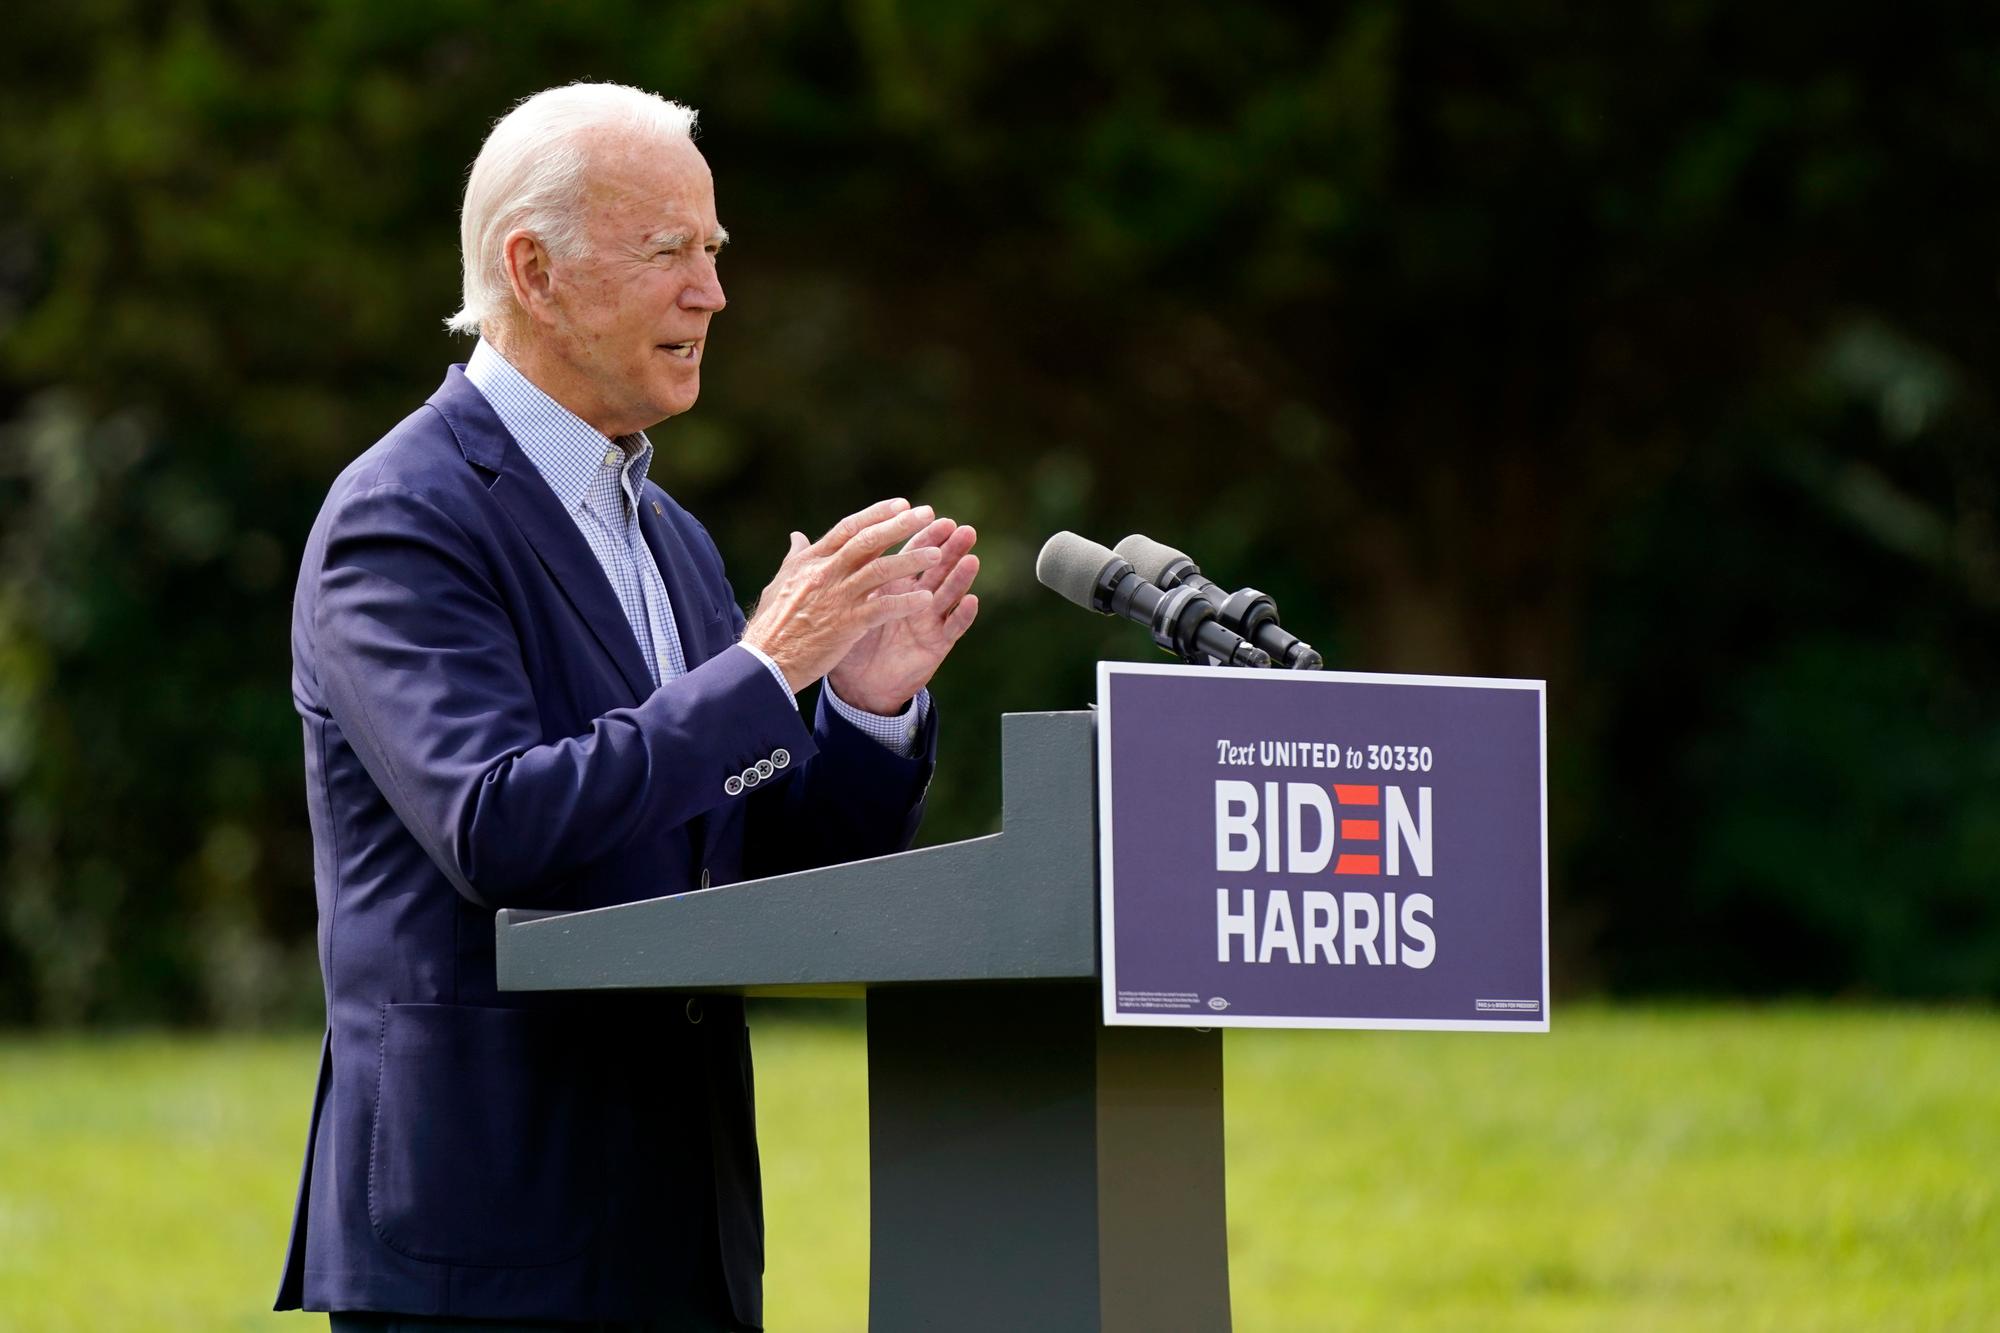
{"x":633,"y":311}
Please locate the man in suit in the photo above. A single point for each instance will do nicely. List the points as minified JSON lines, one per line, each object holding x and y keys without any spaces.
{"x":524,"y":681}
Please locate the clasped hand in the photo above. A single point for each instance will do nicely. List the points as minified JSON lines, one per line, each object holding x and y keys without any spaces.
{"x":877,"y":624}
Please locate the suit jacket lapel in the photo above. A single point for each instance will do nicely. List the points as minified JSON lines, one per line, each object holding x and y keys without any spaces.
{"x":694,"y":609}
{"x":694,"y":616}
{"x":519,"y":488}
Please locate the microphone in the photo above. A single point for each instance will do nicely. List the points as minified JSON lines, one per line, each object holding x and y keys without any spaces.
{"x":1246,"y":611}
{"x":1183,"y":621}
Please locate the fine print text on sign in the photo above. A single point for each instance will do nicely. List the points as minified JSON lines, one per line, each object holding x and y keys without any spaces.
{"x":1322,"y":849}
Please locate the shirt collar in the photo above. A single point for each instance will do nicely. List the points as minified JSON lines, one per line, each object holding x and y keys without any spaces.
{"x":567,"y":450}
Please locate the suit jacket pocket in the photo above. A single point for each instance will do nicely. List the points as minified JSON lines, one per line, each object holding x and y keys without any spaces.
{"x":484,"y":1150}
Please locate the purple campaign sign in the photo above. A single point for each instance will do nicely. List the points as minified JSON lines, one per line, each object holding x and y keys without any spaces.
{"x":1322,"y":849}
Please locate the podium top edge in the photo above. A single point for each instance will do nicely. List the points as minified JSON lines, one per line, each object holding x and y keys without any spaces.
{"x":1526,"y":683}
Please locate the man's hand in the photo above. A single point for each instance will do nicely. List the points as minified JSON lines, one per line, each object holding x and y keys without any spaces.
{"x":830,"y":593}
{"x":886,"y":667}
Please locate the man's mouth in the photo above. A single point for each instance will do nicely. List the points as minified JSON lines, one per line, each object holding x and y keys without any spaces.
{"x":685,"y":351}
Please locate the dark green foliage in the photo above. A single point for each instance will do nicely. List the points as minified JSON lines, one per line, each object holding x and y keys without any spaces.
{"x":1634,"y":347}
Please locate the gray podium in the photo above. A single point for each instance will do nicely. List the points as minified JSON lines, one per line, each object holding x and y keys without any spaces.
{"x":1029,"y":1168}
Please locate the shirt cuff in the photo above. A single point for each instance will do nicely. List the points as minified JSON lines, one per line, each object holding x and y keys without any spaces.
{"x":771,"y":667}
{"x":898,"y":733}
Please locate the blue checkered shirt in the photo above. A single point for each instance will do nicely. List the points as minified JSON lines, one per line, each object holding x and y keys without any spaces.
{"x":598,"y":481}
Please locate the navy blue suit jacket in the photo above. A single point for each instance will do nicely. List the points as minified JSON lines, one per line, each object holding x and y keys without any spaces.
{"x":481,"y":732}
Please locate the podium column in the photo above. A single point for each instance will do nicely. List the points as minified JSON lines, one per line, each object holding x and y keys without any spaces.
{"x":1031,"y":1168}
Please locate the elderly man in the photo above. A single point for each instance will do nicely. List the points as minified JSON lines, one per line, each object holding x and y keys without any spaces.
{"x":524,"y":681}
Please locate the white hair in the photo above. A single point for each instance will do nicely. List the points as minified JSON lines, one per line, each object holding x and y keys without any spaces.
{"x":529,"y":175}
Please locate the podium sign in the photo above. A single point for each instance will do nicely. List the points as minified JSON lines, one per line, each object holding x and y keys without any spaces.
{"x":1322,"y":849}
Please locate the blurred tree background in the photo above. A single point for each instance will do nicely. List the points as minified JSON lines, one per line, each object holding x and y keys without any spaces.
{"x":1641,"y":348}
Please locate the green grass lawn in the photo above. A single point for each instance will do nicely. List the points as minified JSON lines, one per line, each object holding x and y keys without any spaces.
{"x":1702,"y":1169}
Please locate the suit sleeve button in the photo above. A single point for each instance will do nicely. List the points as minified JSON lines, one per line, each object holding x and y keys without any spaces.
{"x":693,"y":1009}
{"x":780,"y":757}
{"x":765,"y":768}
{"x":732,"y":785}
{"x":750,"y":778}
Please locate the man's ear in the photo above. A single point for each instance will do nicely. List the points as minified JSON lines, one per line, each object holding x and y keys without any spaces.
{"x":530,"y":274}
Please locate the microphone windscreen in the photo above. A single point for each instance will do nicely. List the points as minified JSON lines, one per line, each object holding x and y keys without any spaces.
{"x":1149,"y":559}
{"x":1070,"y":564}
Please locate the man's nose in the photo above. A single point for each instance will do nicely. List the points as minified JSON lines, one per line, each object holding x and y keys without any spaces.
{"x":705,"y":293}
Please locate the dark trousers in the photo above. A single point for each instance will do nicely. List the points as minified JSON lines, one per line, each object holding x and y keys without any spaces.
{"x":413,"y":1323}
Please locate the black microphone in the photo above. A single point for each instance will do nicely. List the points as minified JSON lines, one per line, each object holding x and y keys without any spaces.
{"x":1247,"y":611}
{"x":1182,"y":621}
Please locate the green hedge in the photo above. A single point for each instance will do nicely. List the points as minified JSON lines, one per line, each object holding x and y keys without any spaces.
{"x":1634,"y":348}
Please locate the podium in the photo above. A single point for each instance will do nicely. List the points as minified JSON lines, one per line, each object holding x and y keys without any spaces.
{"x":1029,"y":1167}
